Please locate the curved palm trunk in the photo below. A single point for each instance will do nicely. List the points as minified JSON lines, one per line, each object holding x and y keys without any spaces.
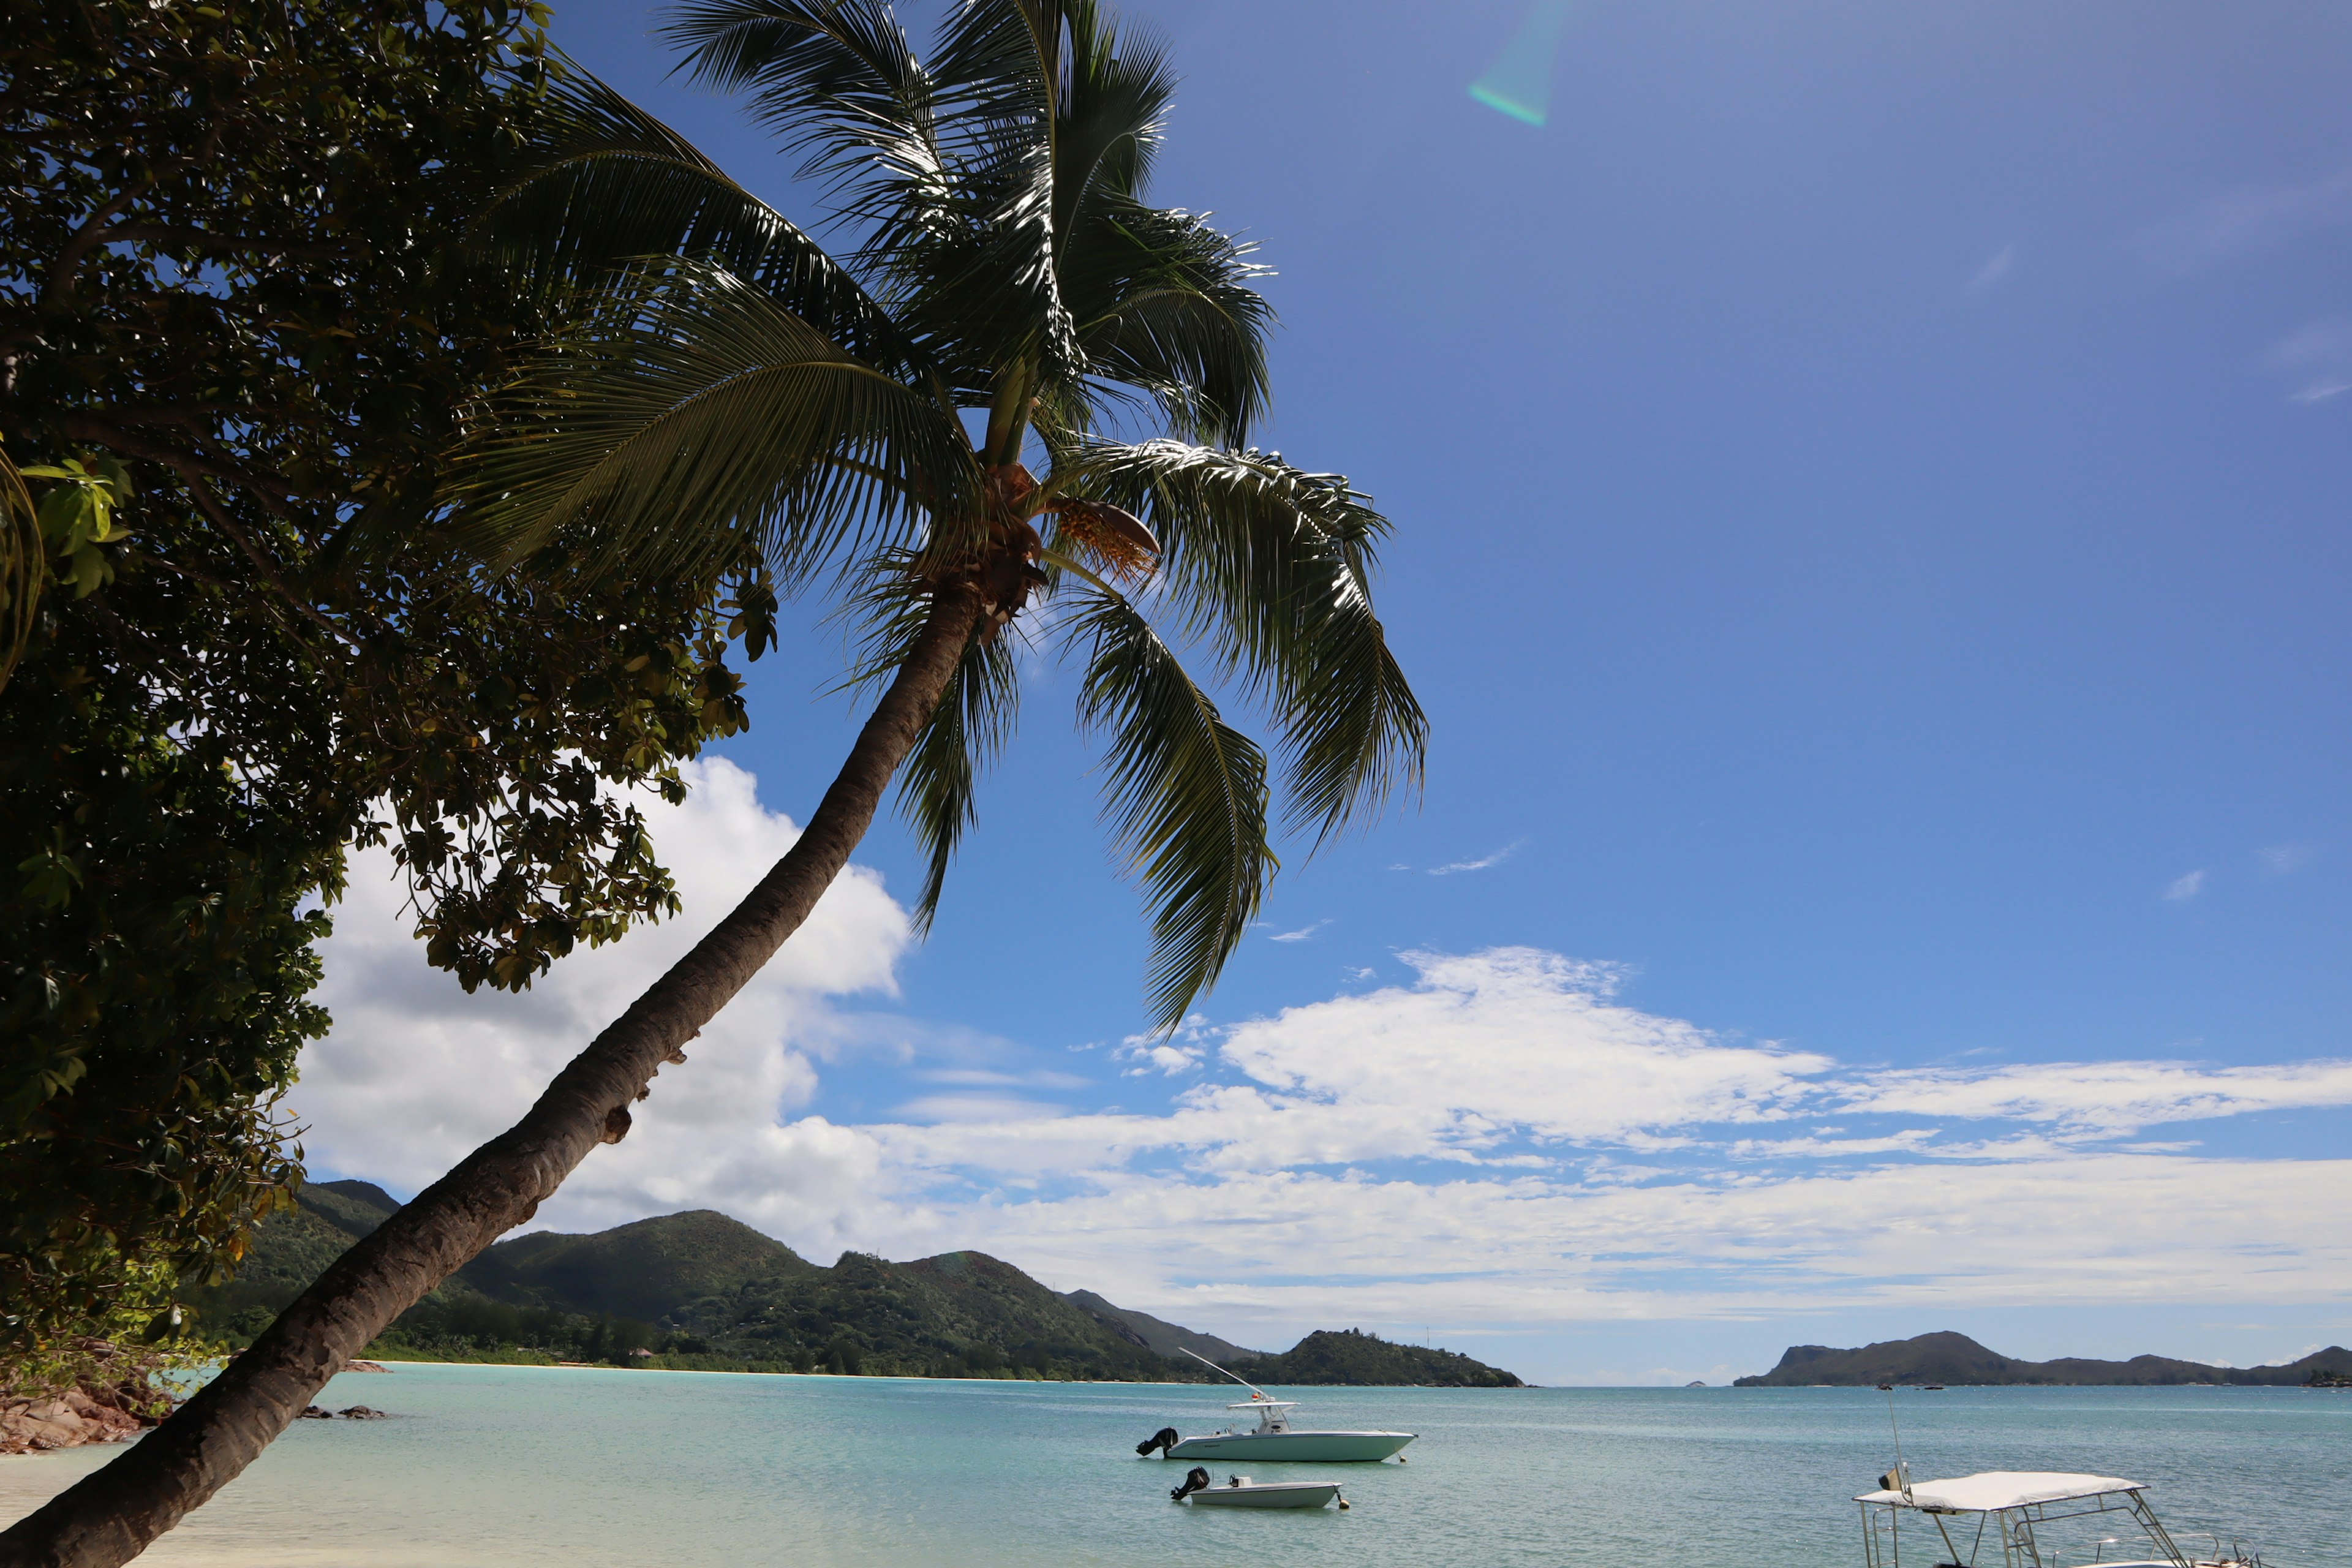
{"x":111,"y":1515}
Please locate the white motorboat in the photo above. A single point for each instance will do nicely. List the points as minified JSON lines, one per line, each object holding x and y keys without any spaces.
{"x":1240,"y":1492}
{"x":2023,"y":1519}
{"x":1275,"y":1437}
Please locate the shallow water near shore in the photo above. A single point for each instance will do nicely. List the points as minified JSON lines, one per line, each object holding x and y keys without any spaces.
{"x":513,"y":1465}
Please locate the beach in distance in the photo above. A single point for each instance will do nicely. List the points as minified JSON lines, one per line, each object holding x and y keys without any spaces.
{"x":488,"y":1466}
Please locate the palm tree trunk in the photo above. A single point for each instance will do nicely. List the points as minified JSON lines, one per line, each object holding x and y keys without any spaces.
{"x":111,"y":1515}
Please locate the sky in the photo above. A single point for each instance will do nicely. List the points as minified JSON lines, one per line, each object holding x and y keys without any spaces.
{"x":1869,"y":485}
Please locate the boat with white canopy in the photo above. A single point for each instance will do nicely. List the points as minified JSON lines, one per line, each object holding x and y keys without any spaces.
{"x":2023,"y":1519}
{"x":1275,"y":1437}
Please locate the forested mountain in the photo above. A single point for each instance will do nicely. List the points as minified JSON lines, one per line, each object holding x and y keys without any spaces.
{"x":1166,"y":1338}
{"x":701,"y":1292}
{"x":1953,"y":1358}
{"x":1352,"y":1356}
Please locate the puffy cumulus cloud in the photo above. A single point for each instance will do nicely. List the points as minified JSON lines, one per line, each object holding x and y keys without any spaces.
{"x":1479,"y":1055}
{"x":1608,"y":1163}
{"x":416,"y":1073}
{"x":1511,"y":1039}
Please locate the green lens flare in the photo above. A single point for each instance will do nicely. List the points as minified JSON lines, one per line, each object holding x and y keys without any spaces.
{"x":1520,"y":83}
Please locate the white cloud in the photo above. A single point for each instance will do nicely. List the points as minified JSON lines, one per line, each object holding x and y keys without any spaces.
{"x":2285,"y":859}
{"x":2245,"y":221}
{"x":2318,"y":357}
{"x":1302,"y":933}
{"x":2003,"y":263}
{"x":1282,"y":1248}
{"x":416,"y":1073}
{"x":2184,"y":888}
{"x":1481,"y":864}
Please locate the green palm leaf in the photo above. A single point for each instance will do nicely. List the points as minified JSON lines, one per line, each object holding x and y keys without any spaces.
{"x":936,"y":788}
{"x":1185,"y":798}
{"x":604,"y":183}
{"x":1272,"y":565}
{"x":1165,"y":303}
{"x":711,"y":416}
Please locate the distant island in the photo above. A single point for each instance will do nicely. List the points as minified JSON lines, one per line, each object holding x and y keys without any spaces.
{"x":1956,"y":1359}
{"x":701,"y":1292}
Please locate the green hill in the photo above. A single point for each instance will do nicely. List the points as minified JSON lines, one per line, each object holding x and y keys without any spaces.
{"x":653,"y":1269}
{"x":1956,"y":1359}
{"x":1352,"y":1356}
{"x":701,"y":1290}
{"x":1164,"y":1337}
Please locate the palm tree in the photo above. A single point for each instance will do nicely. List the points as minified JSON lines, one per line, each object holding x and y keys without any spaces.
{"x":867,"y":426}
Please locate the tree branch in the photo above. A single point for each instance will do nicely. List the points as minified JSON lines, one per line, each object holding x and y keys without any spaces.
{"x":269,"y":488}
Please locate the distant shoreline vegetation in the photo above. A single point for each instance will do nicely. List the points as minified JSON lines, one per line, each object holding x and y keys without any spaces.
{"x":701,"y":1292}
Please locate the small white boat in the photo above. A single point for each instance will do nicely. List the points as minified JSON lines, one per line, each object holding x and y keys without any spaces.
{"x":1274,"y":1437}
{"x":2022,"y":1518}
{"x":1240,"y":1492}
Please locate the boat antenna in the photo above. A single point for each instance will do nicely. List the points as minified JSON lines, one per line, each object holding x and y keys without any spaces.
{"x":1213,"y":1366}
{"x":1902,"y":1470}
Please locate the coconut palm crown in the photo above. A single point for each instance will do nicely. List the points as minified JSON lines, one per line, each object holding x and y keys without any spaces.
{"x":919,"y":419}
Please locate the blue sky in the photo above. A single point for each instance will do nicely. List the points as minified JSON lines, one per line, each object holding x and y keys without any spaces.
{"x":1870,"y":485}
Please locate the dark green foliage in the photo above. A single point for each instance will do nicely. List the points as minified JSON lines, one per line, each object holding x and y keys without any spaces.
{"x":230,"y":287}
{"x":1956,"y":1360}
{"x":154,"y":968}
{"x":289,"y":1249}
{"x":1352,"y":1356}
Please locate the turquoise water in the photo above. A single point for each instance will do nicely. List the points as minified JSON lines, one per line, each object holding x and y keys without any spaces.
{"x":500,"y":1466}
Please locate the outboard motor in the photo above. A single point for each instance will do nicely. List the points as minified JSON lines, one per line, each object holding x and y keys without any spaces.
{"x":1198,"y":1481}
{"x":1161,"y":1440}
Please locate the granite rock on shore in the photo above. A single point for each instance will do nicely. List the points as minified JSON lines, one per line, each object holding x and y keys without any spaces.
{"x":69,"y":1420}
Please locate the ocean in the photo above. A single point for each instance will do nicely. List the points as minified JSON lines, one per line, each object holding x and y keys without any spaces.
{"x":510,"y":1465}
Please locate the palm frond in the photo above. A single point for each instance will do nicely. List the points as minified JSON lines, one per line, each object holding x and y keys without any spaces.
{"x":836,"y":79}
{"x":1114,"y":93}
{"x":695,"y":416}
{"x":24,"y":567}
{"x":1272,"y":567}
{"x":937,"y":783}
{"x":1185,"y":798}
{"x":603,"y":184}
{"x":1166,"y":302}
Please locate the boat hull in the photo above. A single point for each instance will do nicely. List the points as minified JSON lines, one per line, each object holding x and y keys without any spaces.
{"x":1276,"y":1494}
{"x":1294,"y":1448}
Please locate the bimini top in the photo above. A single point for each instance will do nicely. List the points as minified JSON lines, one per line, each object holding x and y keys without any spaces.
{"x":1264,"y":1404}
{"x":1997,"y":1490}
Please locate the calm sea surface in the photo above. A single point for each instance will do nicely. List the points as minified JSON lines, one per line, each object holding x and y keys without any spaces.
{"x":499,"y":1465}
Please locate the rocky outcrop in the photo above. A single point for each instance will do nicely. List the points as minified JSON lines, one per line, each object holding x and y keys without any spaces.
{"x":66,"y":1421}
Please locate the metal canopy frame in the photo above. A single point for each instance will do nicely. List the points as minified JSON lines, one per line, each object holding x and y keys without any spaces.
{"x":2016,"y":1532}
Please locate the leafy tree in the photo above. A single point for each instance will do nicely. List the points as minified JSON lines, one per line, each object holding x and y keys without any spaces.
{"x":236,"y":339}
{"x":754,"y":393}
